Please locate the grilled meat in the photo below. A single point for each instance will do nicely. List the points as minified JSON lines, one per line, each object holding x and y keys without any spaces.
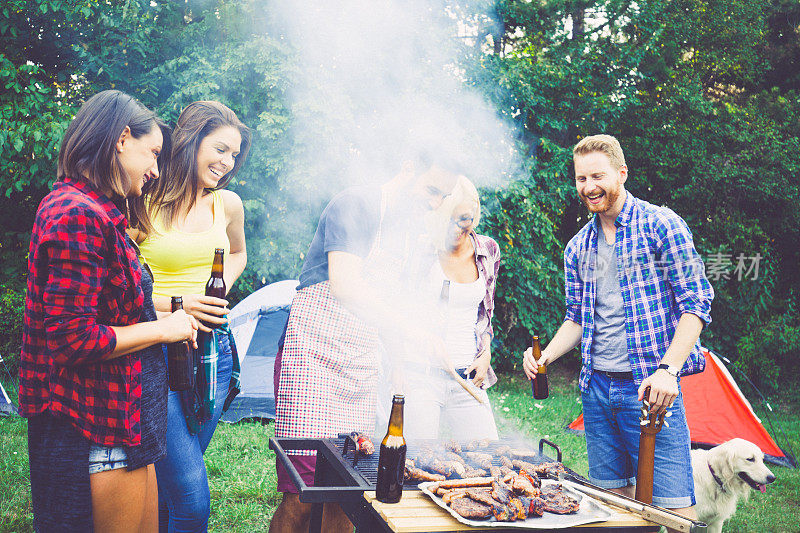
{"x":522,"y":485}
{"x":533,"y":478}
{"x":466,"y":482}
{"x":417,"y":474}
{"x":494,"y":471}
{"x":501,"y":492}
{"x":451,"y":494}
{"x":557,"y":501}
{"x":471,"y":509}
{"x":505,"y":470}
{"x":504,"y":513}
{"x":451,"y":456}
{"x":520,"y":453}
{"x":452,"y":446}
{"x":428,"y":461}
{"x":505,"y":461}
{"x":474,"y":445}
{"x":519,"y":464}
{"x":502,"y":450}
{"x":481,"y":460}
{"x":535,"y":506}
{"x":552,"y":470}
{"x":475,"y":472}
{"x":363,"y":443}
{"x":481,"y":495}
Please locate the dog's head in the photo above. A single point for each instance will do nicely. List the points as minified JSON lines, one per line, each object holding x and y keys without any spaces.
{"x":740,"y":463}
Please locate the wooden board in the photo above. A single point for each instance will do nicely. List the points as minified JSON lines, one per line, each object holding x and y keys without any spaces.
{"x":415,"y":513}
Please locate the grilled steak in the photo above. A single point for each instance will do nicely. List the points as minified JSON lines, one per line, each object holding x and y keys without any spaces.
{"x":557,"y":501}
{"x":471,"y":509}
{"x":501,"y":492}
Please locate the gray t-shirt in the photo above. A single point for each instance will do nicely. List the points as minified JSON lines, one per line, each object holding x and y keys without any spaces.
{"x":609,"y":345}
{"x":349,"y":223}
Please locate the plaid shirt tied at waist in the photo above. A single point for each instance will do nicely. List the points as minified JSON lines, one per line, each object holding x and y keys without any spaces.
{"x":83,"y":278}
{"x":200,"y":402}
{"x":661,"y":276}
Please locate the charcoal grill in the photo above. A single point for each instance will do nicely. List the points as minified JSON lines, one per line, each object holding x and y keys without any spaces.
{"x":342,"y":475}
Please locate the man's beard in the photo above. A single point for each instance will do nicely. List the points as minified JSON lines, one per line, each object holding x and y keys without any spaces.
{"x":608,"y":202}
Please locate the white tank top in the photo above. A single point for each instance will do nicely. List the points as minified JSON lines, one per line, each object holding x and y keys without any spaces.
{"x":460,"y":315}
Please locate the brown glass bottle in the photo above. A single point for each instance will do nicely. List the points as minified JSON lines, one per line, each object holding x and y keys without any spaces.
{"x":180,"y":359}
{"x":216,"y":283}
{"x":392,"y":460}
{"x":541,"y":389}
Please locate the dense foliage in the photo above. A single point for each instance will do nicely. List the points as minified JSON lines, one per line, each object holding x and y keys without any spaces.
{"x":701,"y":93}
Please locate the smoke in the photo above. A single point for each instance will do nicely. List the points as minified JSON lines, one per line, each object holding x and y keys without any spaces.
{"x":378,"y":81}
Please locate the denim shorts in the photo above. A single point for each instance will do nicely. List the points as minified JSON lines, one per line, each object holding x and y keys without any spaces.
{"x":611,"y":417}
{"x":102,"y":458}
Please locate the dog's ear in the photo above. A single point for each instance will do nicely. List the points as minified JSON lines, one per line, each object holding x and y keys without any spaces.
{"x":722,"y":459}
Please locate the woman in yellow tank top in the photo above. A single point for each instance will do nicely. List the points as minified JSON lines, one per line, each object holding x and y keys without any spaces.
{"x":192,"y":215}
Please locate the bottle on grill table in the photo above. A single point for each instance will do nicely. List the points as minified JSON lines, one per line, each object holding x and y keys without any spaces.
{"x":180,"y":359}
{"x":540,"y":387}
{"x":392,"y":459}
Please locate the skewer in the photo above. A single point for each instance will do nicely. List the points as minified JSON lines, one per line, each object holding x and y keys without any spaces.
{"x":465,"y":385}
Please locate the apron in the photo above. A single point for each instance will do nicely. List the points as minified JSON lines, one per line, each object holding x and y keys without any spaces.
{"x":328,"y":370}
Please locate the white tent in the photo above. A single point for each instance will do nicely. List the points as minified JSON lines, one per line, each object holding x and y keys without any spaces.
{"x":257,"y":323}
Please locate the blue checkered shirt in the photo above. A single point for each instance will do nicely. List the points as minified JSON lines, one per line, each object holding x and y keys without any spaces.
{"x":661,"y":276}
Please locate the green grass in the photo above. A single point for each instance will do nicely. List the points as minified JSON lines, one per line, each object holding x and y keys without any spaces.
{"x":242,"y":473}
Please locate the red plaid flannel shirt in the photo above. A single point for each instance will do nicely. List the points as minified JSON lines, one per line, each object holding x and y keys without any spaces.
{"x":83,"y":277}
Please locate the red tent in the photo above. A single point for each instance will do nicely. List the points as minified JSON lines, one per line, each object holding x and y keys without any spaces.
{"x":717,"y":411}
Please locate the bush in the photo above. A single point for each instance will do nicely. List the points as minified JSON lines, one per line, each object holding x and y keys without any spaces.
{"x":12,"y":308}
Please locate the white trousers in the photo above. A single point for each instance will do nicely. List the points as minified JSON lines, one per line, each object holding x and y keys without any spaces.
{"x":437,"y":407}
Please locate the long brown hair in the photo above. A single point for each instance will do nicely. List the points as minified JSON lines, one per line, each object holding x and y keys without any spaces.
{"x":175,"y":191}
{"x":88,"y":149}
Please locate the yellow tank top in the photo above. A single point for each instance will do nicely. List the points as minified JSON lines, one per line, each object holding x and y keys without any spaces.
{"x":181,"y":261}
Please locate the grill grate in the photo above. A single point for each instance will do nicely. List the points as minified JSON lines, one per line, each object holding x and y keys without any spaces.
{"x":367,"y":465}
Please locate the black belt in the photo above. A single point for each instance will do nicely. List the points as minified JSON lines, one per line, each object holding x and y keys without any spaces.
{"x":616,"y":375}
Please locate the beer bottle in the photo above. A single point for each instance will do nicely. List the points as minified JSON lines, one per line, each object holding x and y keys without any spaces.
{"x":180,"y":359}
{"x":540,"y":387}
{"x":216,"y":283}
{"x":392,"y":460}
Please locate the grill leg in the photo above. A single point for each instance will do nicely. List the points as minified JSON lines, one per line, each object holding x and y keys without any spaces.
{"x":315,"y":524}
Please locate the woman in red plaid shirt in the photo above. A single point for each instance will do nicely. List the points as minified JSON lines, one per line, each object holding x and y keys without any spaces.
{"x":92,"y":374}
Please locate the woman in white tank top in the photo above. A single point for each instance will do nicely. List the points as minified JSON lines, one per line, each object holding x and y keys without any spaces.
{"x":461,"y":282}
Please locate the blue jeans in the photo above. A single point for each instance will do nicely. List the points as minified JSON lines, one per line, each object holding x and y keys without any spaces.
{"x":611,"y":417}
{"x":184,"y":500}
{"x":102,"y":458}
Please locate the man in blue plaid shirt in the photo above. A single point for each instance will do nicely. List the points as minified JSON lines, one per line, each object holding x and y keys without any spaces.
{"x":637,"y":299}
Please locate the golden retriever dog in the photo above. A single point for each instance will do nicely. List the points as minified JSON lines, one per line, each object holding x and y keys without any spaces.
{"x":723,"y":476}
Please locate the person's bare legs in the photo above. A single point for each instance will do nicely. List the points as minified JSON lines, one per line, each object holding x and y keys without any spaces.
{"x":121,"y":498}
{"x":150,"y":518}
{"x":293,"y":516}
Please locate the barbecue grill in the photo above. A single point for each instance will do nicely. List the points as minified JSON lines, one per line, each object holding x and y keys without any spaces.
{"x":343,"y":475}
